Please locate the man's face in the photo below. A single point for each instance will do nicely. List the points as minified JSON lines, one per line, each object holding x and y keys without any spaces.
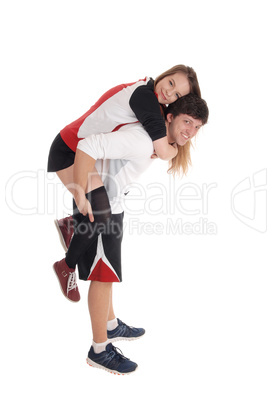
{"x":182,"y":128}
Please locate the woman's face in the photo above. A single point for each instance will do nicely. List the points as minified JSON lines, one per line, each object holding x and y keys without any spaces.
{"x":172,"y":87}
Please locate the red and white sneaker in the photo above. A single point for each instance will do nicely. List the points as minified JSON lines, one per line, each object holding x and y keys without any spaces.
{"x":67,"y":280}
{"x":65,"y":228}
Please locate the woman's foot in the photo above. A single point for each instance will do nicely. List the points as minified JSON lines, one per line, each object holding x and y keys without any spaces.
{"x":65,"y":228}
{"x":67,"y":280}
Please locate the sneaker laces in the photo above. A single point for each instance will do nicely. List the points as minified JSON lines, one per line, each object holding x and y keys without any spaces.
{"x":71,"y":284}
{"x":126,"y":328}
{"x":116,"y":352}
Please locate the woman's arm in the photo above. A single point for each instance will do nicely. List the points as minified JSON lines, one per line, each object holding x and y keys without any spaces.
{"x":147,"y":109}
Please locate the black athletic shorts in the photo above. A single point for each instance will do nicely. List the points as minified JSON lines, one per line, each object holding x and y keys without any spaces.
{"x":60,"y":155}
{"x":102,"y":261}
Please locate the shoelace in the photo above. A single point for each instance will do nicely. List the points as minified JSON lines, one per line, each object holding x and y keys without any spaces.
{"x":116,"y":352}
{"x":71,"y":284}
{"x":125,"y":327}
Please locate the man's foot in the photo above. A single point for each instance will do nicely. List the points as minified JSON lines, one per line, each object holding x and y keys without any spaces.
{"x":125,"y":333}
{"x":111,"y":360}
{"x":65,"y":229}
{"x":67,"y":280}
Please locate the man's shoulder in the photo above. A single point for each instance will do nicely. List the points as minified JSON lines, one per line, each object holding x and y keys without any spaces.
{"x":135,"y":128}
{"x":141,"y":141}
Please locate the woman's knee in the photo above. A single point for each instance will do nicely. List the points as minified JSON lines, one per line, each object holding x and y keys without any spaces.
{"x":66,"y":176}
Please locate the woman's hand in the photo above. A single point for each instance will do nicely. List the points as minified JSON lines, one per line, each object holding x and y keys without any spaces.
{"x":84,"y":207}
{"x":174,"y":151}
{"x":154,"y":155}
{"x":164,"y":150}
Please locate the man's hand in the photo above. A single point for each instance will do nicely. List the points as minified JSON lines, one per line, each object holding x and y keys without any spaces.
{"x":84,"y":207}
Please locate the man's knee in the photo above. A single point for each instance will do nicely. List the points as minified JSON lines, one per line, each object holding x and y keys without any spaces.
{"x":101,"y":285}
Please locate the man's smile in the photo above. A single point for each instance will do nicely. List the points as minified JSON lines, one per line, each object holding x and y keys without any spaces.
{"x":185,"y":136}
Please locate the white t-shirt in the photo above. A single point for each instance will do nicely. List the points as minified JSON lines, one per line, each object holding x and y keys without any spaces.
{"x":121,"y":157}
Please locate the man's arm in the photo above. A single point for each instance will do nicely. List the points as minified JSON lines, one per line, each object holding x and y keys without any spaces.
{"x":130,"y":142}
{"x":124,"y":144}
{"x":84,"y":164}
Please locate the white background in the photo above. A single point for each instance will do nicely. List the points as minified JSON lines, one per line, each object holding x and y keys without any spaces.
{"x":204,"y":299}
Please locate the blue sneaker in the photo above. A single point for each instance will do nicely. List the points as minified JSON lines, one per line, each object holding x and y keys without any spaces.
{"x":111,"y":360}
{"x":124,"y":332}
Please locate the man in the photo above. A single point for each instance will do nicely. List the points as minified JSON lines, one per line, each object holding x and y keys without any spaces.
{"x":119,"y":158}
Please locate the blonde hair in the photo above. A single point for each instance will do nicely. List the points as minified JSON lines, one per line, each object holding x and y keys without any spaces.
{"x":180,"y":164}
{"x":189,"y":72}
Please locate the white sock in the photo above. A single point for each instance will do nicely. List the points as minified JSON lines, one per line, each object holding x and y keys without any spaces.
{"x":100,"y":347}
{"x":112,"y":324}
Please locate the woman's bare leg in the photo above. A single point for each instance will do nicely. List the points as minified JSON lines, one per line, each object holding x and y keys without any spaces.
{"x":66,"y":176}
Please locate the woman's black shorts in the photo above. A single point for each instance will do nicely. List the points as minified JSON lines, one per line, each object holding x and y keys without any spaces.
{"x":60,"y":155}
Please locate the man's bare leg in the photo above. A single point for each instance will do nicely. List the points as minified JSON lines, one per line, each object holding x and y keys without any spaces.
{"x":100,"y":305}
{"x":111,"y":311}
